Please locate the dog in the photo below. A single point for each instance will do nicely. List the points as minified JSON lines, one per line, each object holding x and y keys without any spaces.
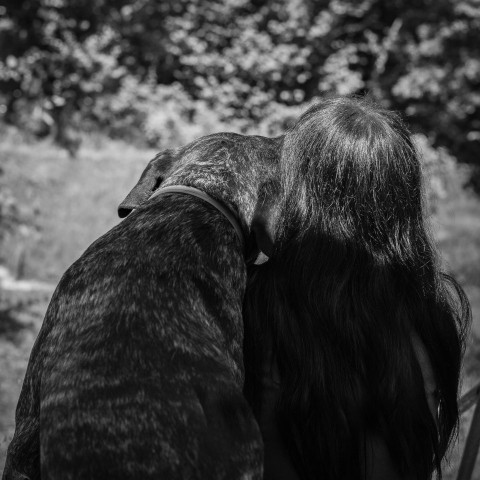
{"x":137,"y":371}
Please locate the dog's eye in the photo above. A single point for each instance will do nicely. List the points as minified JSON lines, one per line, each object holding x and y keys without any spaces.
{"x":158,"y":182}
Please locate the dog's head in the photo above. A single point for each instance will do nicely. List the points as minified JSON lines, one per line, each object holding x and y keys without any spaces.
{"x":239,"y":171}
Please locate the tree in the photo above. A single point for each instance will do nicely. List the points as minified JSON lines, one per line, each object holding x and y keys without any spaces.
{"x":247,"y":60}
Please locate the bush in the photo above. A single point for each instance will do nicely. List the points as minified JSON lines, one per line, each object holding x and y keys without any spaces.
{"x":159,"y":116}
{"x":443,"y":176}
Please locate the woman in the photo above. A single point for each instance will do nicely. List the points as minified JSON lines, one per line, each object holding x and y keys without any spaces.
{"x":352,"y":313}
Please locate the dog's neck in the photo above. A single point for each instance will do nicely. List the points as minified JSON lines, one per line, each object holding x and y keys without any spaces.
{"x":223,"y":188}
{"x":195,"y":192}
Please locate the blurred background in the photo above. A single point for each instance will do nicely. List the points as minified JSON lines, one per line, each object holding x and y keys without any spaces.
{"x":91,"y":89}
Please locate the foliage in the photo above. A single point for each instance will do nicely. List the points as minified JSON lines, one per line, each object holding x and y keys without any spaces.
{"x":443,"y":177}
{"x":162,"y":115}
{"x":93,"y":63}
{"x":12,"y":215}
{"x":8,"y":213}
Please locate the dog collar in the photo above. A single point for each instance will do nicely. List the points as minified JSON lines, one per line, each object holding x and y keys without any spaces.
{"x":195,"y":192}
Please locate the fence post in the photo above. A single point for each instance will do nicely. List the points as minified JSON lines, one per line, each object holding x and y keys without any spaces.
{"x":472,"y":444}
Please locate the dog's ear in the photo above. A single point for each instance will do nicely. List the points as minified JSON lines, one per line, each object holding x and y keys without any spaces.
{"x":150,"y":180}
{"x":264,"y":221}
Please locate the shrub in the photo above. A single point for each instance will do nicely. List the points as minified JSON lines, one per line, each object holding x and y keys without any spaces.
{"x":444,"y":177}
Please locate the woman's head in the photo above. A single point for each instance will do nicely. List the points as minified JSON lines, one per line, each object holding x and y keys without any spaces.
{"x":353,"y":274}
{"x":350,"y":171}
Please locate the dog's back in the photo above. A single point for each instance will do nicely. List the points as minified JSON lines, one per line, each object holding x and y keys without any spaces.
{"x":137,"y":371}
{"x":132,"y":370}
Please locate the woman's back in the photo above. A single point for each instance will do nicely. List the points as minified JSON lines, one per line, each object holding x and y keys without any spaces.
{"x":378,"y":463}
{"x":354,"y":278}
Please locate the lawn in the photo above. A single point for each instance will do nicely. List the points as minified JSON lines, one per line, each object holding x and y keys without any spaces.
{"x":66,"y":204}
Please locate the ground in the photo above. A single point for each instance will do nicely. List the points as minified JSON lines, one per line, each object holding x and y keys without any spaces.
{"x":66,"y":204}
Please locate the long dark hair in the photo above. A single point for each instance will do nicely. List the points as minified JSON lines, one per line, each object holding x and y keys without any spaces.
{"x":355,"y":274}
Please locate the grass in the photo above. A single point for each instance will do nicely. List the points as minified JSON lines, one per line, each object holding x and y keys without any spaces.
{"x":68,"y":203}
{"x":457,"y":230}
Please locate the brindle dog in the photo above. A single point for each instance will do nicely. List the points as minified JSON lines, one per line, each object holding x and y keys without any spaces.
{"x":137,"y":371}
